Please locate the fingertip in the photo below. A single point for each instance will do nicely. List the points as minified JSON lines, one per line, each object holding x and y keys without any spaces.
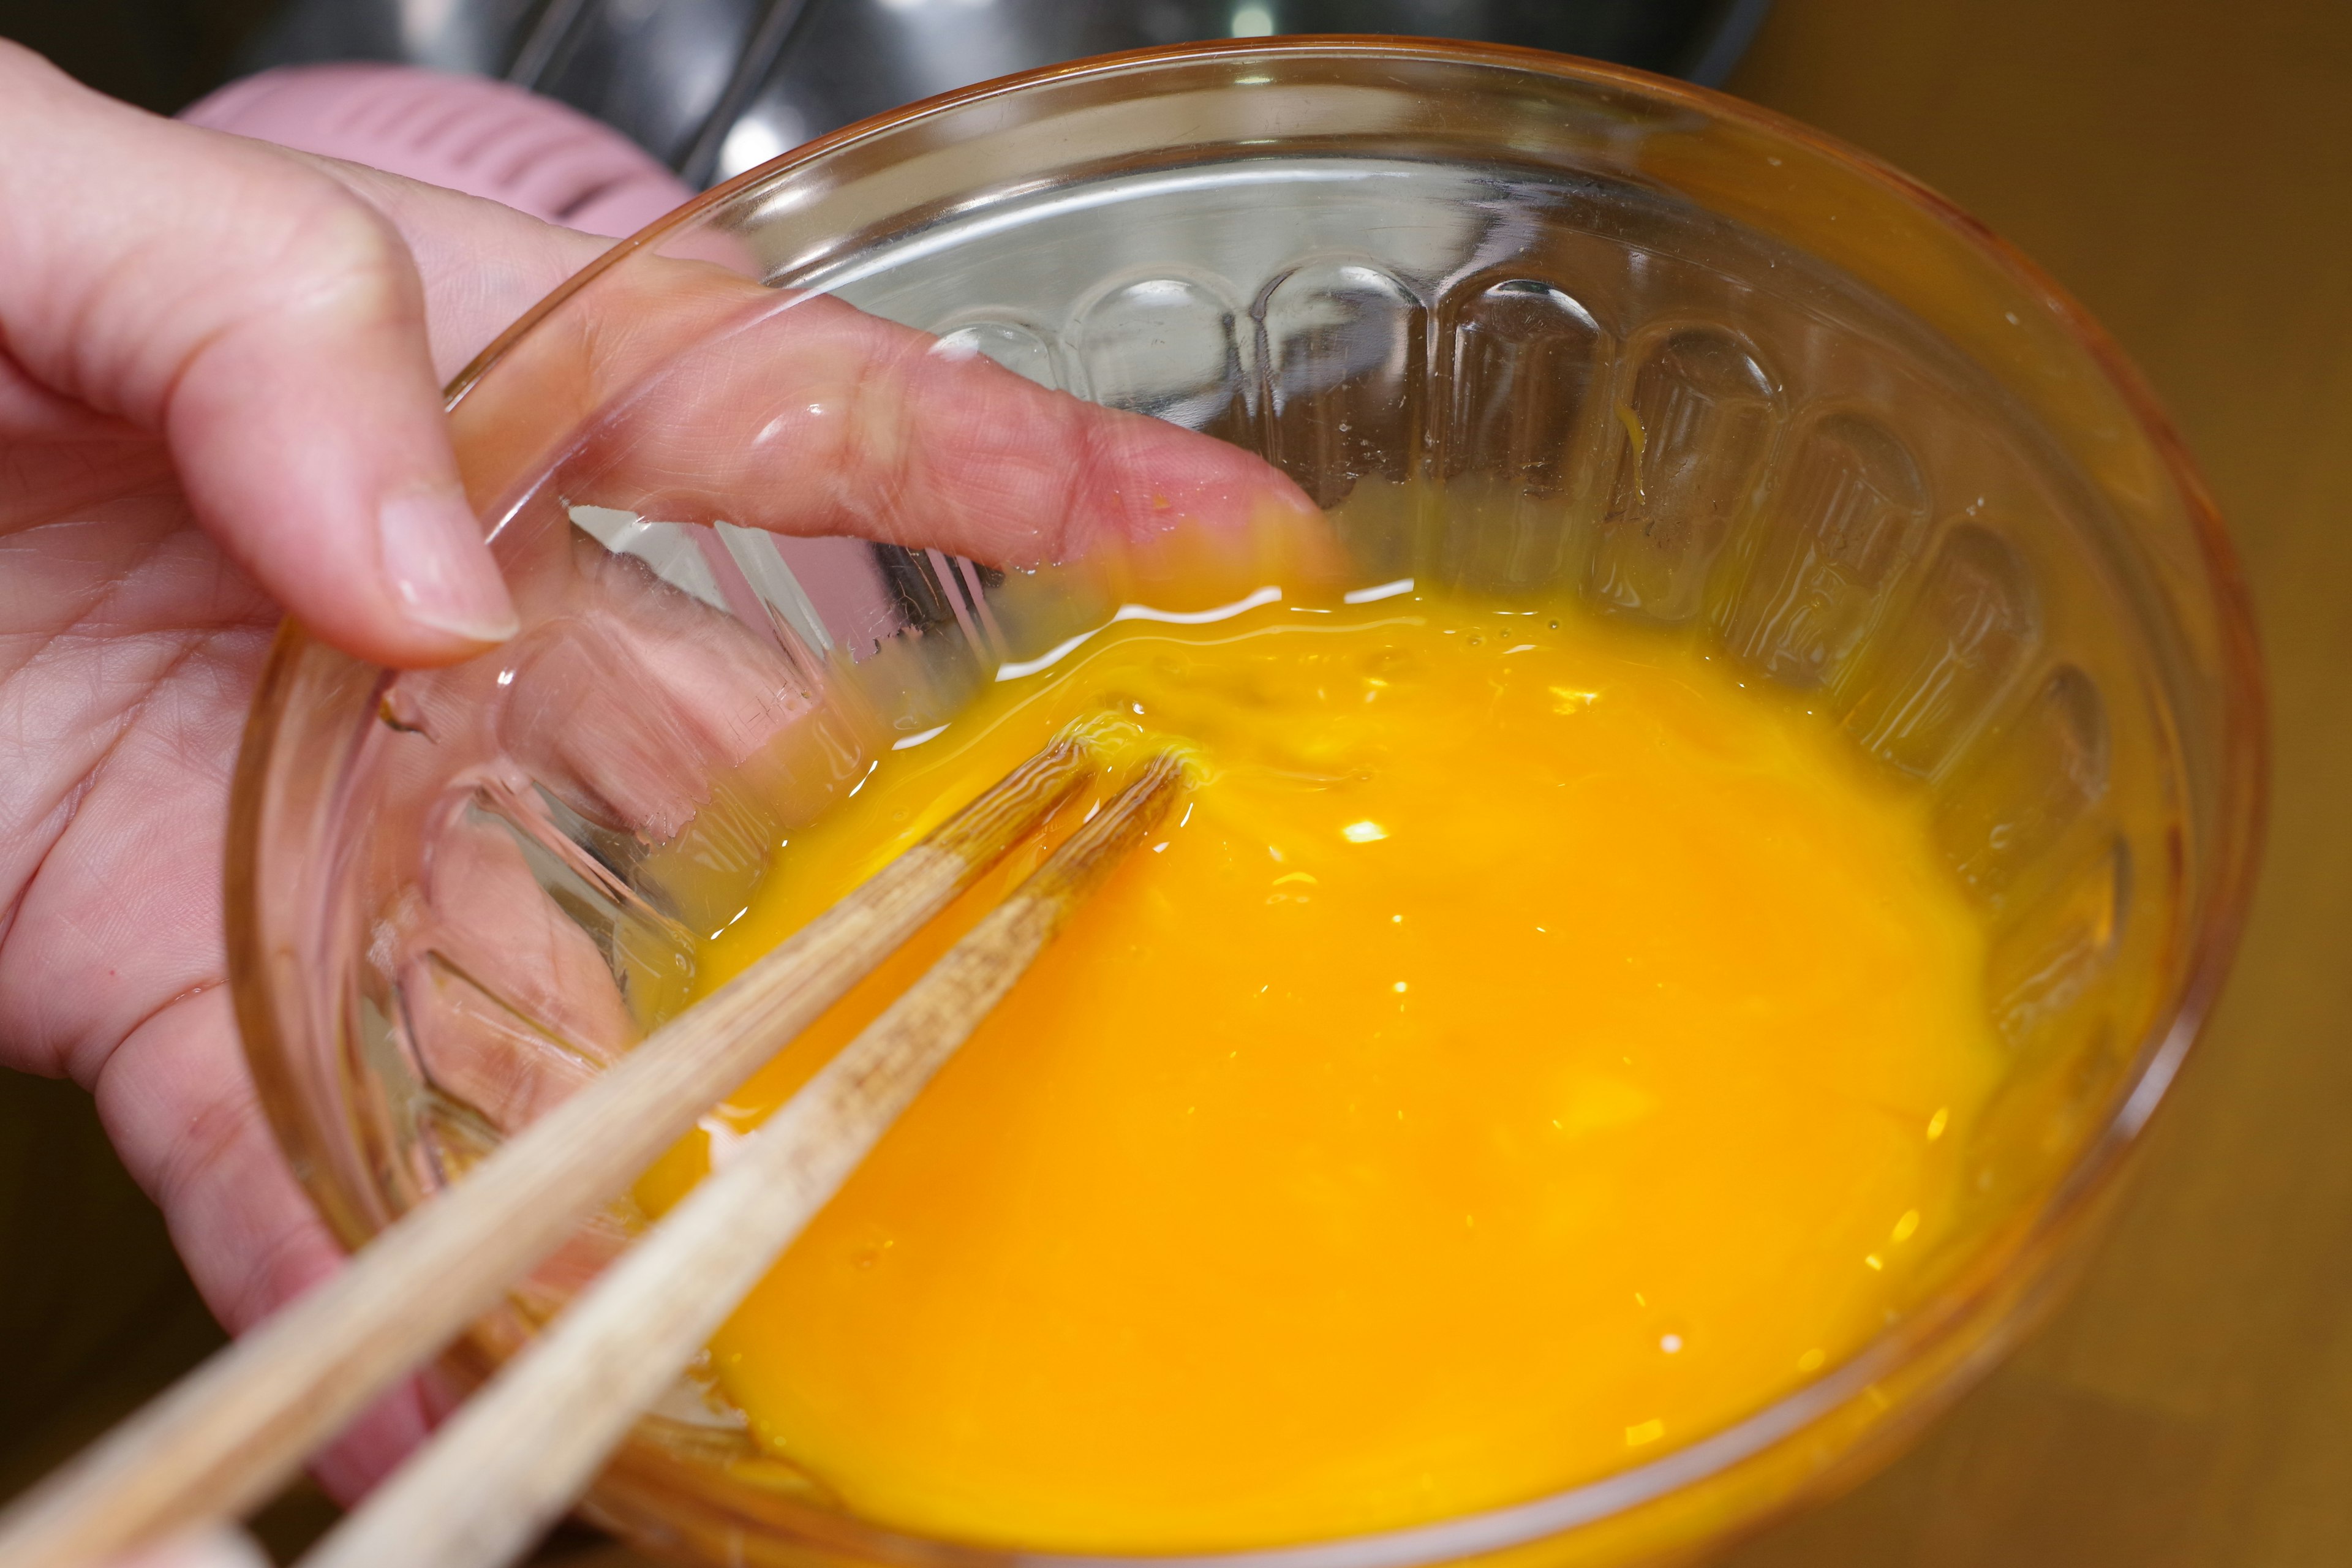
{"x":442,"y":574}
{"x":373,"y":1445}
{"x":404,"y":579}
{"x":1145,"y":482}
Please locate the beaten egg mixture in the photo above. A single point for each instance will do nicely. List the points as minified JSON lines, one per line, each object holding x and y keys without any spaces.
{"x":1525,"y":1049}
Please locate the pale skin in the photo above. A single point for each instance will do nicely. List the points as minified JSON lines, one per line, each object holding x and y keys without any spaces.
{"x":220,"y":366}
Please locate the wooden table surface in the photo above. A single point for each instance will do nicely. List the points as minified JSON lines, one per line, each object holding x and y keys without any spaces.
{"x":2185,"y":167}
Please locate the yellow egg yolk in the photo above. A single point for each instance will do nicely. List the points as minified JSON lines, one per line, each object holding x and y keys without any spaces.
{"x":1525,"y":1049}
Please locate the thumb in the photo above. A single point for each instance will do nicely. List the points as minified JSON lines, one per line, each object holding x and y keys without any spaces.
{"x":268,"y":326}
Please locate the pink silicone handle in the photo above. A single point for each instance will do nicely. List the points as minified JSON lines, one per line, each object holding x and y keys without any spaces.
{"x":469,"y":134}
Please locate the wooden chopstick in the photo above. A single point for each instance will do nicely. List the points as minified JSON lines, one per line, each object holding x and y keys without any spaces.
{"x":516,"y":1454}
{"x":229,"y":1433}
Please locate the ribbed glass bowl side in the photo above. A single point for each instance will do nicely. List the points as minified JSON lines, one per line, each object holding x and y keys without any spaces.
{"x":1543,"y":333}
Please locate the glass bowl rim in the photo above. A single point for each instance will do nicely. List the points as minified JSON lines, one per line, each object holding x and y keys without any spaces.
{"x":2214,"y":926}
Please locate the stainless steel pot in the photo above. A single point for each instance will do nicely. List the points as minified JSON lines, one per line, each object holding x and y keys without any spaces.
{"x":715,"y":87}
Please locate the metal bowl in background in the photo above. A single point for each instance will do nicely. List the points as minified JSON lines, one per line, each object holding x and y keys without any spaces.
{"x":715,"y":87}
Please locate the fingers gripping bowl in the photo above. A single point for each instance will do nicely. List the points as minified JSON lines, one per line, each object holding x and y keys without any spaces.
{"x":1532,"y":334}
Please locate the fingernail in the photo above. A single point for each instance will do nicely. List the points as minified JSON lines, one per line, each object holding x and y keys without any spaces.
{"x":433,"y":553}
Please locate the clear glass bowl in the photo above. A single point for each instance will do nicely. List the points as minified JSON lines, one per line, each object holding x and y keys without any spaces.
{"x":1527,"y":327}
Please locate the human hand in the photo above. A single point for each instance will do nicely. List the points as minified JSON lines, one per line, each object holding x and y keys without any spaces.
{"x":218,"y":396}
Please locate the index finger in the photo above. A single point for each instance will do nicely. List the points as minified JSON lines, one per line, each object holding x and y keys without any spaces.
{"x":684,"y":392}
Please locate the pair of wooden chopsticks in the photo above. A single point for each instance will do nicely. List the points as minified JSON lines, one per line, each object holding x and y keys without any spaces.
{"x":228,"y":1434}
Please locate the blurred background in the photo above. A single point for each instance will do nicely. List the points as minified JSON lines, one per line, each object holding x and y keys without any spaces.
{"x":2184,"y":167}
